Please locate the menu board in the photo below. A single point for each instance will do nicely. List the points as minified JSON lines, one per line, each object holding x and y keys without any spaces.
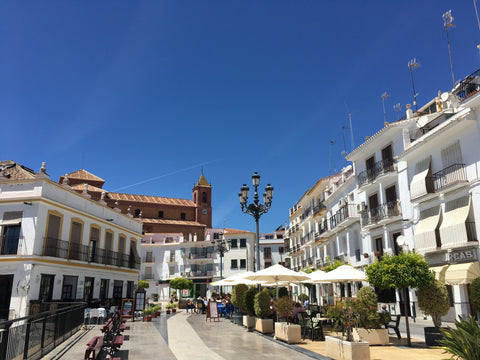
{"x":212,"y":311}
{"x":127,"y":308}
{"x":139,"y":301}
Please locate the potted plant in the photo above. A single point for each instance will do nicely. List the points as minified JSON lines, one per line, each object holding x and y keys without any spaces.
{"x":171,"y":307}
{"x":400,"y":271}
{"x":284,"y":330}
{"x":155,"y":297}
{"x":369,"y":322}
{"x":248,"y":306}
{"x":434,"y":301}
{"x":263,"y":323}
{"x":147,"y":314}
{"x":238,"y":295}
{"x":475,"y":295}
{"x":344,"y":317}
{"x":157,"y":309}
{"x":462,"y":342}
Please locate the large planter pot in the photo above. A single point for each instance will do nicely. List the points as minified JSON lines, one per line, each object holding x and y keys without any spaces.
{"x":147,"y":318}
{"x":174,"y":310}
{"x":290,"y":333}
{"x":432,"y":335}
{"x":238,"y":319}
{"x":168,"y":311}
{"x":339,"y":349}
{"x":372,"y":336}
{"x":265,"y":326}
{"x":249,"y":321}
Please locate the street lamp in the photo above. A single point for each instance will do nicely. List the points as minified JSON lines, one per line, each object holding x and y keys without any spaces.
{"x":221,"y":246}
{"x":255,"y":209}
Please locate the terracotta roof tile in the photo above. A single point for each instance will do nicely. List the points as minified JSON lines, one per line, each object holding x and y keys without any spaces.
{"x":172,"y":222}
{"x":10,"y":170}
{"x":150,"y":199}
{"x":233,"y":231}
{"x":91,"y":188}
{"x":83,"y":174}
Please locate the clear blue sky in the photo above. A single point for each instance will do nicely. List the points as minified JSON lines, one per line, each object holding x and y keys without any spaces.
{"x":140,"y":90}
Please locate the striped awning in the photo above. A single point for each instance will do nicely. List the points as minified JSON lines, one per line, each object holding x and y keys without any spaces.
{"x":462,"y":273}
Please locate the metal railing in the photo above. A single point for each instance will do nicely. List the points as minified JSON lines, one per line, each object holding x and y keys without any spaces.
{"x":448,"y":176}
{"x":384,"y":211}
{"x":74,"y":251}
{"x":33,"y":336}
{"x":468,"y":86}
{"x":318,"y":208}
{"x":148,"y":259}
{"x":380,"y":167}
{"x":344,"y":213}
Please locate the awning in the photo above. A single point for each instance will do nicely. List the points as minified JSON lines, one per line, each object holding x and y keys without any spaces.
{"x":425,"y":238}
{"x":453,"y":231}
{"x":462,"y":273}
{"x":11,"y":218}
{"x":440,"y":272}
{"x":418,"y":186}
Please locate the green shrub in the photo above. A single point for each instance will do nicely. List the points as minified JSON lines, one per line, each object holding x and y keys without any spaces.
{"x":284,"y":306}
{"x":462,"y":342}
{"x":262,"y":304}
{"x":282,"y":292}
{"x":434,"y":301}
{"x":148,"y":311}
{"x":303,"y":297}
{"x":475,"y":294}
{"x":249,"y":301}
{"x":238,"y":294}
{"x":142,"y":284}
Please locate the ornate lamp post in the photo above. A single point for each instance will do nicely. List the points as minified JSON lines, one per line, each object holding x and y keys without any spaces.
{"x":221,"y":246}
{"x":255,"y":209}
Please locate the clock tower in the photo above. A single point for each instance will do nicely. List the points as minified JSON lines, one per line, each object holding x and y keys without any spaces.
{"x":202,"y":198}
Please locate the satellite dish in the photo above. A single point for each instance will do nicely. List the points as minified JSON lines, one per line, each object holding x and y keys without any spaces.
{"x":401,"y":240}
{"x":444,"y":96}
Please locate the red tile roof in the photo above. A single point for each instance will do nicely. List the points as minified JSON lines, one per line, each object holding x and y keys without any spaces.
{"x":91,"y":188}
{"x":150,"y":199}
{"x":233,"y":231}
{"x":83,"y":174}
{"x":172,"y":222}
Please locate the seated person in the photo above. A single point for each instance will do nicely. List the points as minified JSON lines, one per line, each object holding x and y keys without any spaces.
{"x":298,"y":308}
{"x":189,"y":305}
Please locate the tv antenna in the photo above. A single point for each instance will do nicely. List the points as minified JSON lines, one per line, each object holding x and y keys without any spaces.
{"x":384,"y":96}
{"x":330,"y":157}
{"x":448,"y":22}
{"x":344,"y":152}
{"x":397,"y":108}
{"x":412,"y":65}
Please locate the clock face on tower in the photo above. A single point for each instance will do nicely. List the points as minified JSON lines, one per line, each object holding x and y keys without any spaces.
{"x":204,"y":211}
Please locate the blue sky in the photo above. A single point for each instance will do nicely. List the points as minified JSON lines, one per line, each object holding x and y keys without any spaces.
{"x":154,"y":90}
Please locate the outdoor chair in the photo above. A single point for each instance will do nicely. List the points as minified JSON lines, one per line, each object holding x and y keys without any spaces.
{"x":310,"y":324}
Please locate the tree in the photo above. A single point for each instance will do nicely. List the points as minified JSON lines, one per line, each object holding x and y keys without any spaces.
{"x":475,"y":294}
{"x":142,"y":284}
{"x":181,"y":283}
{"x":238,"y":294}
{"x":434,"y":301}
{"x":401,"y":271}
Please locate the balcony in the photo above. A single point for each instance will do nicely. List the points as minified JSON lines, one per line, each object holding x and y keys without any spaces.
{"x":84,"y":253}
{"x":345,"y":216}
{"x":382,"y":214}
{"x":379,"y":168}
{"x":449,"y":177}
{"x":171,"y":259}
{"x":468,"y":86}
{"x":148,"y":259}
{"x":199,"y":273}
{"x":198,"y":258}
{"x":318,"y":209}
{"x":306,"y":214}
{"x":13,"y":245}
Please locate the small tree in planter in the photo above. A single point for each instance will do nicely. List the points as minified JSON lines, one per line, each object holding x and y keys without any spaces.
{"x":262,"y":311}
{"x":434,"y":301}
{"x":181,"y":283}
{"x":284,"y":307}
{"x":238,"y":295}
{"x":249,"y":307}
{"x":147,"y":314}
{"x":401,"y":271}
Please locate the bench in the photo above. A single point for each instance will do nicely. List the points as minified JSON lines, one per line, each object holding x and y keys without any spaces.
{"x":112,"y":339}
{"x":393,"y":324}
{"x":94,"y":348}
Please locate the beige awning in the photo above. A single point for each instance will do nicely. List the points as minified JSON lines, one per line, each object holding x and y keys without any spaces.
{"x":440,"y":272}
{"x":453,"y":231}
{"x":12,"y":218}
{"x":425,"y":238}
{"x":462,"y":273}
{"x":418,"y":185}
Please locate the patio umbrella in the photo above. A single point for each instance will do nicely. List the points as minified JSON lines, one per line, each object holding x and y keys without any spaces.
{"x":316,"y":277}
{"x":275,"y":274}
{"x":344,"y":273}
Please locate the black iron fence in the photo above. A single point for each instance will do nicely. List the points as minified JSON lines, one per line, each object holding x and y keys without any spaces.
{"x":31,"y":337}
{"x":448,"y":176}
{"x":384,"y":211}
{"x":380,"y":167}
{"x":74,"y":251}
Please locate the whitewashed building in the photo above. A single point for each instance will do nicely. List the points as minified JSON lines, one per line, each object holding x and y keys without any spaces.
{"x":59,"y":246}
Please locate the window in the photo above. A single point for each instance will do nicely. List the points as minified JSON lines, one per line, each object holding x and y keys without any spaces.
{"x":233,"y":264}
{"x":243,"y":243}
{"x":108,"y":247}
{"x":267,"y":253}
{"x":92,"y":246}
{"x":104,"y":283}
{"x":268,"y":264}
{"x":279,"y":236}
{"x":117,"y":289}
{"x":137,"y":213}
{"x":204,"y":197}
{"x":148,"y":257}
{"x":88,"y":289}
{"x":75,"y":240}
{"x":148,"y":272}
{"x":160,"y":214}
{"x":46,"y":288}
{"x":268,"y":237}
{"x":234,"y":244}
{"x":69,"y":288}
{"x":53,"y":235}
{"x":280,"y":250}
{"x":182,"y":216}
{"x":129,"y":289}
{"x":243,"y":263}
{"x":121,"y":251}
{"x":10,"y":238}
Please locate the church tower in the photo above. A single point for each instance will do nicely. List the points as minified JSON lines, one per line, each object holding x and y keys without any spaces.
{"x":202,"y":198}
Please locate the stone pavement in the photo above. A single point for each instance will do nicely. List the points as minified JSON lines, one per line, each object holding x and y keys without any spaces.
{"x":188,"y":336}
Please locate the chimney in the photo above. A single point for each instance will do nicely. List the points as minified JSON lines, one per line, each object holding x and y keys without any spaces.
{"x":409,"y":111}
{"x":438,"y":101}
{"x":43,"y":169}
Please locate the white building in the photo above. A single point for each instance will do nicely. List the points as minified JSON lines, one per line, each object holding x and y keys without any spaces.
{"x":272,"y":248}
{"x":59,"y":245}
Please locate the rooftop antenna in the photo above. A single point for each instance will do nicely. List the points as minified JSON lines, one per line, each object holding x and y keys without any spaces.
{"x":351,"y":128}
{"x":384,"y":96}
{"x":330,"y":158}
{"x":412,"y":65}
{"x":448,"y":22}
{"x":478,"y":19}
{"x":397,"y":108}
{"x":344,"y":152}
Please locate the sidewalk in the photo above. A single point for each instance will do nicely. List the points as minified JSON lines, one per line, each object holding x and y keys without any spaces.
{"x":185,"y":336}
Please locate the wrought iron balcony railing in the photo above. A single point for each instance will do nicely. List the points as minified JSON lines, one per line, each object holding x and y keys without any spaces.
{"x":384,"y":211}
{"x":380,"y":167}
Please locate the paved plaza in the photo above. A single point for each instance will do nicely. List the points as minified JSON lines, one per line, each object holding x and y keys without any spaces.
{"x":188,"y":336}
